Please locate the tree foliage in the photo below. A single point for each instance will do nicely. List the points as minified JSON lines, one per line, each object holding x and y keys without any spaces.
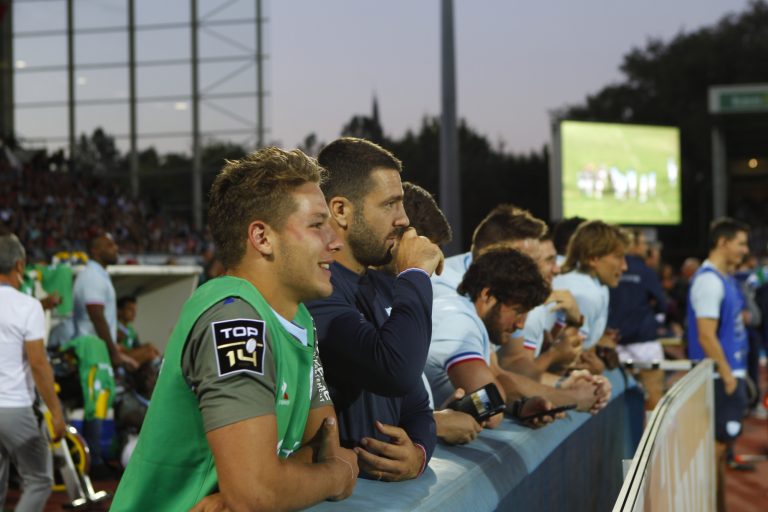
{"x":668,"y":82}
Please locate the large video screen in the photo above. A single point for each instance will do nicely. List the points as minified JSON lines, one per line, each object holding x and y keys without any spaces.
{"x":621,"y":173}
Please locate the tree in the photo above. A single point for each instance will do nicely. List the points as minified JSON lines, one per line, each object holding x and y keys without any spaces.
{"x":97,"y":153}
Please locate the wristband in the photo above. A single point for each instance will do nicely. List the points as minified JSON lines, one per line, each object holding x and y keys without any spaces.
{"x":559,"y":382}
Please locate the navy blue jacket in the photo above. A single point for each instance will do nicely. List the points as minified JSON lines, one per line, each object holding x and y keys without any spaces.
{"x":374,"y":358}
{"x":635,"y":302}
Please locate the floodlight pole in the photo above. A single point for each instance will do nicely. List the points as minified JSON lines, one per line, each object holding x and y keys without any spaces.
{"x":197,"y":175}
{"x":450,"y":197}
{"x":259,"y":78}
{"x":71,"y":82}
{"x":134,"y":156}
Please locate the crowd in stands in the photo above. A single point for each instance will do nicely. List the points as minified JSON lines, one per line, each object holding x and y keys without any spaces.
{"x":55,"y":211}
{"x":341,"y":334}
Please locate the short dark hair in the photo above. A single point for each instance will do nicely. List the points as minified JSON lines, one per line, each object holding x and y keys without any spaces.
{"x":256,"y":187}
{"x":563,"y":231}
{"x":506,"y":223}
{"x":725,"y":227}
{"x":97,"y":235}
{"x":125,"y":300}
{"x":512,"y":277}
{"x":350,"y":162}
{"x":425,"y":215}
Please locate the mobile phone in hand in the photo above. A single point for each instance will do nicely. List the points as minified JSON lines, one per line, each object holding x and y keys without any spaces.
{"x":548,"y":412}
{"x":481,"y":403}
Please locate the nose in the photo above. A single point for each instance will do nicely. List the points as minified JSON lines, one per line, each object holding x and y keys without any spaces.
{"x":334,"y":243}
{"x":401,"y":219}
{"x":623,"y":264}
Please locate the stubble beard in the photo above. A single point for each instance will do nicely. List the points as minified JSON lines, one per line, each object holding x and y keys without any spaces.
{"x":491,"y":322}
{"x":366,"y":249}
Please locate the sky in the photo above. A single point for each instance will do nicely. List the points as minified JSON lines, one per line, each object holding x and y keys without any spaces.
{"x":516,"y":62}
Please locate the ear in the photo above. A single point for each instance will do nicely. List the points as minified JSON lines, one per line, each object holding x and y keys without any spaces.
{"x":485,"y":301}
{"x":486,"y":298}
{"x":19,"y":267}
{"x":260,"y":237}
{"x":341,"y":210}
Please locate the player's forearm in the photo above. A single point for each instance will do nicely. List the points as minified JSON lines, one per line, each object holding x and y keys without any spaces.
{"x":293,"y":485}
{"x":517,"y":386}
{"x":714,"y":351}
{"x":101,"y":327}
{"x":543,"y":362}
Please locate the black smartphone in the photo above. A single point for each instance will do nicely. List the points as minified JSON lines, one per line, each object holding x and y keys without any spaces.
{"x":548,"y":412}
{"x":481,"y":404}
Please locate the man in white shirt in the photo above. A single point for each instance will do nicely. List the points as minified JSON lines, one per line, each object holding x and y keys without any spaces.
{"x":497,"y":291}
{"x":24,"y":366}
{"x":504,"y":225}
{"x":95,"y":314}
{"x":558,"y":320}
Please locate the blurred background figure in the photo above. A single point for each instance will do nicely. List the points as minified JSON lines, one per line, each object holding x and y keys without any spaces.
{"x":127,"y":338}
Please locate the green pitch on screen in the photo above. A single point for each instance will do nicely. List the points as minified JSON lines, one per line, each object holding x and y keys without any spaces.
{"x":621,"y":173}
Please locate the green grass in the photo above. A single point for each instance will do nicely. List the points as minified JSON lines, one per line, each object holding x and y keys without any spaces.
{"x":643,"y":148}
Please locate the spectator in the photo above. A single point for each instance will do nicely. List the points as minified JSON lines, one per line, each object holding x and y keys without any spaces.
{"x":594,"y":263}
{"x":637,"y":309}
{"x":374,"y":350}
{"x":496,"y":293}
{"x":554,"y":324}
{"x":24,"y":366}
{"x":241,"y":414}
{"x":452,"y":427}
{"x":505,"y":224}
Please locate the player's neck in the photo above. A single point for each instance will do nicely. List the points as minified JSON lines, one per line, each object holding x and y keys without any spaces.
{"x":347,"y":259}
{"x":9,"y":280}
{"x":274,"y":292}
{"x":719,"y":262}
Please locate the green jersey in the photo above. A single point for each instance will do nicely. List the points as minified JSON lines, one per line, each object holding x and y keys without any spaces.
{"x":172,"y":467}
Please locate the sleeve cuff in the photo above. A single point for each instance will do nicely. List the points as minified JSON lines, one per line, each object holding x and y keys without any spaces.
{"x":414,"y":270}
{"x":423,"y":460}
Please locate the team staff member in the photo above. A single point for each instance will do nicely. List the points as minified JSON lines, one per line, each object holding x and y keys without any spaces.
{"x":95,"y":321}
{"x":241,"y":405}
{"x":23,"y":366}
{"x":716,"y":330}
{"x":374,"y":351}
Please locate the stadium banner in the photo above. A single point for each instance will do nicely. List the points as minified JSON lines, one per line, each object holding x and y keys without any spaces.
{"x":674,"y":466}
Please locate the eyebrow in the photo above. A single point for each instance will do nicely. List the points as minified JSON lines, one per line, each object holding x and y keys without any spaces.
{"x":394,"y":197}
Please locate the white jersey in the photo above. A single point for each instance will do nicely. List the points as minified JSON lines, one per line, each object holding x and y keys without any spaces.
{"x":94,"y":286}
{"x":21,"y":320}
{"x":454,"y":269}
{"x":592,"y":298}
{"x":458,"y":336}
{"x":540,"y":319}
